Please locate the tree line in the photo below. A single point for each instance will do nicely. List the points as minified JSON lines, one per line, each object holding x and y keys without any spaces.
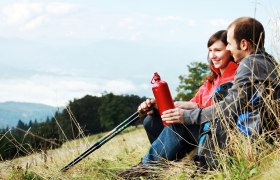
{"x":86,"y":116}
{"x":82,"y":117}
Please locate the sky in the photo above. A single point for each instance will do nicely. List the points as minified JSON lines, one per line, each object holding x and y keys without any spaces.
{"x":53,"y":52}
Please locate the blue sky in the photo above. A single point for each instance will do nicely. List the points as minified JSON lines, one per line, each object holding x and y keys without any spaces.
{"x":55,"y":51}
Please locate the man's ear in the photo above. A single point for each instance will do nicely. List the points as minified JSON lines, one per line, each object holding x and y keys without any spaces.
{"x":244,"y":44}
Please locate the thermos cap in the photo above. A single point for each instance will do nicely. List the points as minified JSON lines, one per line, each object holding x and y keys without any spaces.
{"x":155,"y":78}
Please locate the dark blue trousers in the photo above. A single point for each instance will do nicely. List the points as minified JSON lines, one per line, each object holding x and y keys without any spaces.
{"x":170,"y":142}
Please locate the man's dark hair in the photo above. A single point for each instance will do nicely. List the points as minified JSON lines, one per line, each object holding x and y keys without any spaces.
{"x":249,"y":29}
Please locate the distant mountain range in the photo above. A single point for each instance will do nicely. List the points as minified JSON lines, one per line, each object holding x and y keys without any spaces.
{"x":11,"y":112}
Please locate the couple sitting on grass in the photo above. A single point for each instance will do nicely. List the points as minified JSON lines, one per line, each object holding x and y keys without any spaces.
{"x":239,"y":93}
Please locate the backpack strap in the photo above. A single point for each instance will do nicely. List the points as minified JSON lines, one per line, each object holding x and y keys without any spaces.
{"x":249,"y":122}
{"x":205,"y":130}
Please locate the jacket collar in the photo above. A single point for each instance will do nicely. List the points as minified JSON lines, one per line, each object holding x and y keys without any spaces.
{"x":231,"y":67}
{"x":216,"y":70}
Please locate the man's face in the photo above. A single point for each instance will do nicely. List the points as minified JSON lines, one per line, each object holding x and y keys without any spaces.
{"x":233,"y":47}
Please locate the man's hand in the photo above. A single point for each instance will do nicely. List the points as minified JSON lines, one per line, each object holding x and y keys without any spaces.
{"x":146,"y":106}
{"x":173,"y":116}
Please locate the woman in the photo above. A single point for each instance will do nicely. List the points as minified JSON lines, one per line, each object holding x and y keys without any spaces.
{"x":174,"y":141}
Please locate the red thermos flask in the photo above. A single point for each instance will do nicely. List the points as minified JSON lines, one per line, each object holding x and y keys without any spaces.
{"x":162,"y":95}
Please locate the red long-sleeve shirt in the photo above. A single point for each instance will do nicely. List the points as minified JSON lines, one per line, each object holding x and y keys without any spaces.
{"x":203,"y":97}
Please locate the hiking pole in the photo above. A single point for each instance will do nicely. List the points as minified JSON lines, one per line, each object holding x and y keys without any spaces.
{"x":104,"y":139}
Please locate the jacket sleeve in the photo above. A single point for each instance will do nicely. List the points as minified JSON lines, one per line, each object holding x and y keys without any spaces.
{"x":250,"y":75}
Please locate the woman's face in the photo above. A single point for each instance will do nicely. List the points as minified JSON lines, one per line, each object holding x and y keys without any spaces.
{"x":219,"y":56}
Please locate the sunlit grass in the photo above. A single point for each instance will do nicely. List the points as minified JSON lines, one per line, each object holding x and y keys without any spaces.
{"x":118,"y":154}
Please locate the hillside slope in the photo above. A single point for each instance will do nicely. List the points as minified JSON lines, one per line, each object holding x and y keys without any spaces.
{"x":121,"y":153}
{"x":11,"y":112}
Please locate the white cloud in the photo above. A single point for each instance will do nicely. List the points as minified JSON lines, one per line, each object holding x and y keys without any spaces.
{"x":192,"y":23}
{"x":28,"y":16}
{"x":128,"y":23}
{"x":34,"y":23}
{"x":170,"y":18}
{"x":129,"y":28}
{"x":119,"y":86}
{"x":136,"y":36}
{"x":60,"y":8}
{"x":69,"y":34}
{"x":58,"y":91}
{"x":219,"y":22}
{"x":18,"y":12}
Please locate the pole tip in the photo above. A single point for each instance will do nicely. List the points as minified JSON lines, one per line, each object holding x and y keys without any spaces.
{"x":64,"y":169}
